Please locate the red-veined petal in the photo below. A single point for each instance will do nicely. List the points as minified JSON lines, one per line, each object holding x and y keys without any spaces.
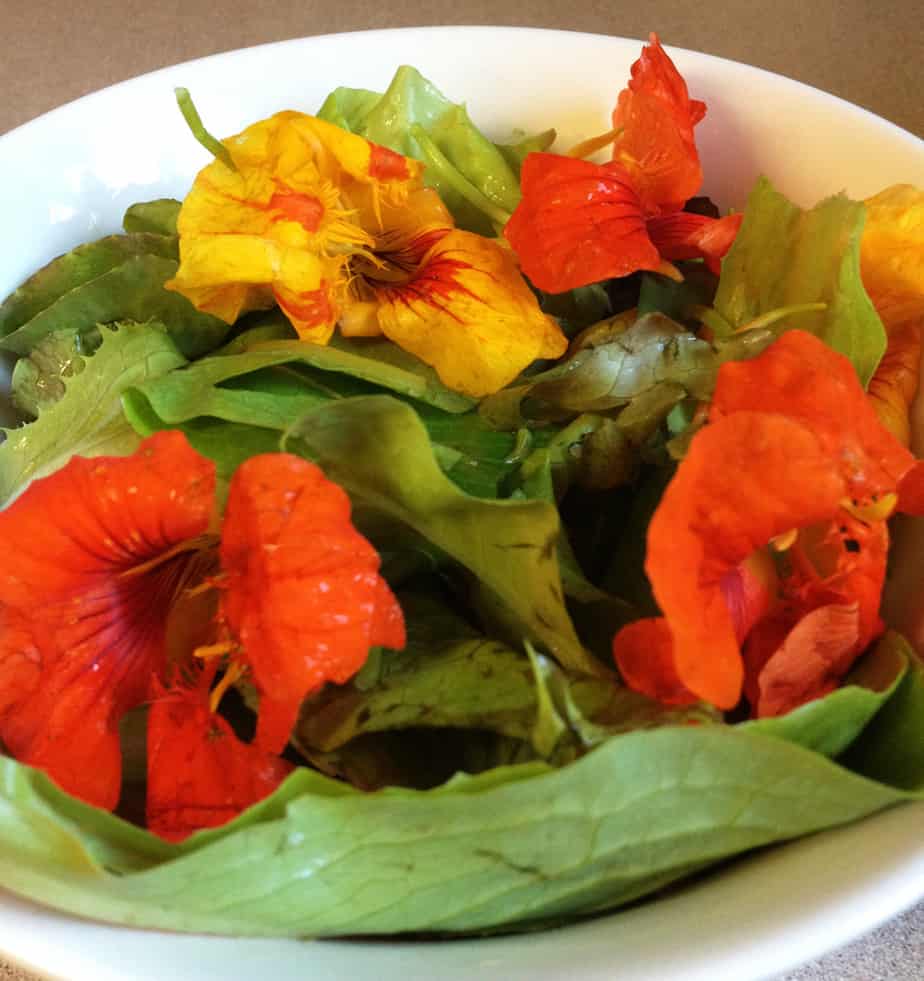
{"x":95,"y":574}
{"x":304,"y":598}
{"x":578,"y":223}
{"x":468,"y":312}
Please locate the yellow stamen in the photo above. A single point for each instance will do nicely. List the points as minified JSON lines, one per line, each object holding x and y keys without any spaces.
{"x":878,"y":509}
{"x":234,"y":672}
{"x":586,"y":147}
{"x":784,"y":542}
{"x":201,"y":542}
{"x":213,"y":650}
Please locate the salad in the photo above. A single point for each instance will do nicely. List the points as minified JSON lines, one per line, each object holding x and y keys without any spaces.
{"x":412,"y":533}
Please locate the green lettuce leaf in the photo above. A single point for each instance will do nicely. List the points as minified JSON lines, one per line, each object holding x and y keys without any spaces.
{"x":447,"y":676}
{"x":75,"y":269}
{"x":159,"y":217}
{"x":515,"y":846}
{"x":38,"y":380}
{"x":115,"y":279}
{"x":784,"y":256}
{"x":269,"y":385}
{"x":891,"y":748}
{"x":87,"y":419}
{"x":414,"y":118}
{"x":831,"y":724}
{"x":379,"y":451}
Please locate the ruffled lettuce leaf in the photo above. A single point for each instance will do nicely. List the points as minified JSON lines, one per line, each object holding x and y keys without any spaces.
{"x":114,"y":279}
{"x":786,"y":256}
{"x":516,"y":846}
{"x":87,"y":419}
{"x":378,"y":449}
{"x":38,"y":380}
{"x":412,"y":117}
{"x":270,"y":385}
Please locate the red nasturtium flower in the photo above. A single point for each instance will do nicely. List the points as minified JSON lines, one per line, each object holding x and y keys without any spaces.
{"x":302,"y":594}
{"x":656,"y":116}
{"x":767,"y":553}
{"x":105,"y":548}
{"x":579,"y":222}
{"x":200,"y":775}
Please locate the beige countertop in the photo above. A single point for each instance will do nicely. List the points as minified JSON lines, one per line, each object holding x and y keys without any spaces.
{"x":867,"y":53}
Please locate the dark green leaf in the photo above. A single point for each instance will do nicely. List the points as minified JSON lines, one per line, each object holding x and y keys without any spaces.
{"x":131,"y":290}
{"x":75,"y":269}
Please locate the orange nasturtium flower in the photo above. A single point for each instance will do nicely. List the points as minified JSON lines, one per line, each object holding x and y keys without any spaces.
{"x":200,"y":775}
{"x":767,"y":553}
{"x":655,"y":116}
{"x":107,"y":548}
{"x":334,"y":228}
{"x":892,"y":265}
{"x":579,"y":222}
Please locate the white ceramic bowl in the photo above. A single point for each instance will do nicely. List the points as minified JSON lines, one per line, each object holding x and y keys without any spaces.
{"x":68,"y":176}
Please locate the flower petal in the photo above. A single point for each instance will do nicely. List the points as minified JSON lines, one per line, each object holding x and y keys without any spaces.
{"x":90,"y":621}
{"x":894,"y":385}
{"x":467,"y":312}
{"x":801,"y":377}
{"x":657,"y":145}
{"x":892,"y":253}
{"x":812,"y":660}
{"x":746,"y":479}
{"x":684,"y":235}
{"x":644,"y":654}
{"x":280,"y":226}
{"x":304,"y":598}
{"x":578,"y":223}
{"x":200,"y":775}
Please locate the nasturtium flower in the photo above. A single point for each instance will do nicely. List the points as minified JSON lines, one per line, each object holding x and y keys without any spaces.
{"x":579,"y":222}
{"x":794,"y":467}
{"x":302,"y":595}
{"x":109,"y":549}
{"x":199,"y":773}
{"x":102,"y":548}
{"x":892,"y":254}
{"x":333,"y":228}
{"x":892,"y":266}
{"x":655,"y":117}
{"x":279,"y":229}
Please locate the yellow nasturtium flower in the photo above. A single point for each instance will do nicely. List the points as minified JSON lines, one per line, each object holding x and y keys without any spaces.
{"x":334,"y":228}
{"x":892,"y":265}
{"x":892,"y":253}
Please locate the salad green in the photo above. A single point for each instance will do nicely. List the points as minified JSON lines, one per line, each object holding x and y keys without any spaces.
{"x":496,"y":773}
